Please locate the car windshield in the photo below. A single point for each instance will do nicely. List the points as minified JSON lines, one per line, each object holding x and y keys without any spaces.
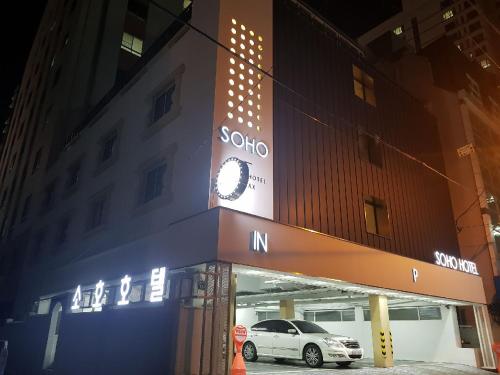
{"x":308,"y":327}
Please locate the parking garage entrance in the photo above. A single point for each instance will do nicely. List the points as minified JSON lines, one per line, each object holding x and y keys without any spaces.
{"x":420,"y":328}
{"x":350,"y":289}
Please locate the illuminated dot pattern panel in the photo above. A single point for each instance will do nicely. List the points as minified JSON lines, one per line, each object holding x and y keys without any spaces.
{"x":244,"y":88}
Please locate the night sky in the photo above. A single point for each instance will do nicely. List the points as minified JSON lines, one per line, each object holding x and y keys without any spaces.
{"x":18,"y":27}
{"x":353,"y":17}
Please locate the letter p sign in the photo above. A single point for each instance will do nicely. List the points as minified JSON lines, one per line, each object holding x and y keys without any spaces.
{"x":415,"y":274}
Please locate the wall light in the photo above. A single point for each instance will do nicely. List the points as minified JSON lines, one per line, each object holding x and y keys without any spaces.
{"x":232,"y":179}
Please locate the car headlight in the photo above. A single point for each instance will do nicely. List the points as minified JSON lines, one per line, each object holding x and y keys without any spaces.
{"x":333,"y":343}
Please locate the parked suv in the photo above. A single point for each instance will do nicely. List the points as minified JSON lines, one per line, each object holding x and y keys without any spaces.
{"x":299,"y":339}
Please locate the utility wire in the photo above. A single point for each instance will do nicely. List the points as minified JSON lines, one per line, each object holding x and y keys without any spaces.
{"x":315,"y":119}
{"x":285,"y":86}
{"x":472,"y":204}
{"x":481,"y":248}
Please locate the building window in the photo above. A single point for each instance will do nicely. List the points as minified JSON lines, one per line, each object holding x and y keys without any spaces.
{"x":403,"y":314}
{"x":131,"y":44}
{"x":347,"y":315}
{"x":98,"y":211}
{"x":448,"y":14}
{"x":73,"y":175}
{"x":429,"y":313}
{"x":485,"y":63}
{"x":363,"y":86}
{"x":154,"y":183}
{"x":26,"y":207}
{"x":398,"y":30}
{"x":108,"y":147}
{"x":266,"y":315}
{"x":410,"y":313}
{"x":370,"y":149}
{"x":376,"y":216}
{"x":163,"y":102}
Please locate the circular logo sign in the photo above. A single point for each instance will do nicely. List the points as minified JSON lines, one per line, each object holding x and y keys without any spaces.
{"x":232,"y":179}
{"x":239,"y":334}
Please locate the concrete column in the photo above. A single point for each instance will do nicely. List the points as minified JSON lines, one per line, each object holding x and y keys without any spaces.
{"x":485,"y":335}
{"x":381,"y":332}
{"x":287,"y":309}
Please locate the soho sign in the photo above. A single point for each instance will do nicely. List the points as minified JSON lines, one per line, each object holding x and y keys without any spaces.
{"x":449,"y":261}
{"x":239,"y":140}
{"x":157,"y":283}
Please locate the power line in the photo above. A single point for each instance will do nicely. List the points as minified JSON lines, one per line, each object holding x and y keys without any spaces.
{"x":285,"y":86}
{"x":472,"y":204}
{"x":315,"y":119}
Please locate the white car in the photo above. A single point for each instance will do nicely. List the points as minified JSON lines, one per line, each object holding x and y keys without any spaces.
{"x":299,"y":339}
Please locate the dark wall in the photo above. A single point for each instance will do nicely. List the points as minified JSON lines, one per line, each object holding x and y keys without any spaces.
{"x":320,"y":179}
{"x":26,"y":345}
{"x":129,"y":341}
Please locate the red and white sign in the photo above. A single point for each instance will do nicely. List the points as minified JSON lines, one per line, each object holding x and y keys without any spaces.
{"x":239,"y":334}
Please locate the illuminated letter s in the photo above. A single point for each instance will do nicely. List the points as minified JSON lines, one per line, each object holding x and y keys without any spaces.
{"x":224,"y":134}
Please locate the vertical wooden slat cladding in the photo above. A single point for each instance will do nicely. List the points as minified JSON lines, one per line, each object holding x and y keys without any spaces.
{"x":320,"y":179}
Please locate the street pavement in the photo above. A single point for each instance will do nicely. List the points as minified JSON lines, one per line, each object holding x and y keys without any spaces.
{"x":364,"y":367}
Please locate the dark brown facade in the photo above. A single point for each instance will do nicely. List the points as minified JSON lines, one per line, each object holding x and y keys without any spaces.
{"x":321,"y":178}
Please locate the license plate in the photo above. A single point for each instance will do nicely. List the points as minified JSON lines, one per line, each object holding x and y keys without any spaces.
{"x":356,"y":351}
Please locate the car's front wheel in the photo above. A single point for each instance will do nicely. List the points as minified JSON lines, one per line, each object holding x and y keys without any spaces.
{"x":249,"y":352}
{"x":313,"y":356}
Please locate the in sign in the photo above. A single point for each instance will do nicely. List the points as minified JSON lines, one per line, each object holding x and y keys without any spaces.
{"x":258,"y":241}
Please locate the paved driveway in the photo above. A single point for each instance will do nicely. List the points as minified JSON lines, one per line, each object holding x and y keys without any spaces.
{"x":364,"y":367}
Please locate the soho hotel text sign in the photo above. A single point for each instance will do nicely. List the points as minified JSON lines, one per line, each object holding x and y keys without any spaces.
{"x":157,"y":283}
{"x":449,"y":261}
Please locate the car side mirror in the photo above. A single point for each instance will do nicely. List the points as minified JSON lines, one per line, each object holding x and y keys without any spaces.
{"x":293,"y":331}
